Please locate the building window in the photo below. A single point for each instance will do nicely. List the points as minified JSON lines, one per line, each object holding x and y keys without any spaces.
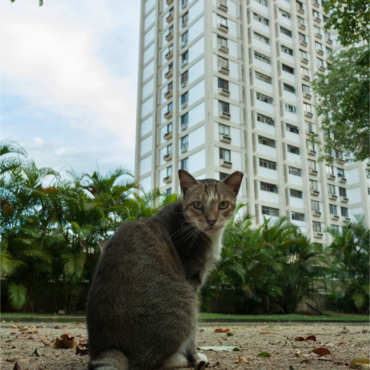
{"x":296,"y":193}
{"x":222,"y":20}
{"x":325,"y":19}
{"x":223,"y":106}
{"x":268,"y":187}
{"x":338,"y":154}
{"x":223,"y":129}
{"x":318,"y":46}
{"x":288,"y":69}
{"x":340,"y":172}
{"x":328,"y":36}
{"x":284,"y":14}
{"x":330,"y":170}
{"x":331,"y":189}
{"x":225,"y":154}
{"x":185,"y":98}
{"x":262,"y":57}
{"x":185,"y":119}
{"x":270,"y":211}
{"x":265,"y":119}
{"x":290,"y":108}
{"x":264,"y":78}
{"x":261,"y":19}
{"x":306,"y":89}
{"x":316,"y":226}
{"x":264,"y":98}
{"x":184,"y":38}
{"x":310,"y":127}
{"x":303,"y":54}
{"x":305,"y":72}
{"x":329,"y":51}
{"x":315,"y":205}
{"x":317,"y":30}
{"x":291,"y":128}
{"x":335,"y":229}
{"x":297,"y":216}
{"x":332,"y":209}
{"x":169,"y":171}
{"x":307,"y":107}
{"x":286,"y":50}
{"x":185,"y":141}
{"x":292,"y":149}
{"x":311,"y":164}
{"x":169,"y":149}
{"x":261,"y":38}
{"x":184,"y":164}
{"x":185,"y":77}
{"x":262,"y":2}
{"x":310,"y":145}
{"x":316,"y":14}
{"x":343,"y":192}
{"x":185,"y":57}
{"x":302,"y":37}
{"x":285,"y":31}
{"x":313,"y":185}
{"x":288,"y":88}
{"x":223,"y":176}
{"x":184,"y":19}
{"x":267,"y":164}
{"x":222,"y":62}
{"x":320,"y":62}
{"x":168,"y":191}
{"x":295,"y":171}
{"x":222,"y":41}
{"x":301,"y":21}
{"x":265,"y":141}
{"x":169,"y":127}
{"x":223,"y":84}
{"x":344,"y":211}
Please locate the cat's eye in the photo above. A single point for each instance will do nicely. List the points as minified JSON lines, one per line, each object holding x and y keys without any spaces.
{"x":223,"y":205}
{"x":197,"y":205}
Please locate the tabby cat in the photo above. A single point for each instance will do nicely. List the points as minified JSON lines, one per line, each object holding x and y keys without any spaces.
{"x":142,"y":306}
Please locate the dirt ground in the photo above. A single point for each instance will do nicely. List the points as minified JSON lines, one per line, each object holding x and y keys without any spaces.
{"x":286,"y":354}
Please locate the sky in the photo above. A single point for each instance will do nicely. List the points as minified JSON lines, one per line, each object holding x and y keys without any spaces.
{"x":68,"y":79}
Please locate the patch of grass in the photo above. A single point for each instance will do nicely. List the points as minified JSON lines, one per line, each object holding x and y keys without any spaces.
{"x":38,"y":316}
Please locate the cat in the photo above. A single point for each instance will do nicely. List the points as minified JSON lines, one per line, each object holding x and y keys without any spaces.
{"x":142,"y":306}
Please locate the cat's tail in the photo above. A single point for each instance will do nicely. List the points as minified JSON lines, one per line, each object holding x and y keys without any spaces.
{"x":109,"y":360}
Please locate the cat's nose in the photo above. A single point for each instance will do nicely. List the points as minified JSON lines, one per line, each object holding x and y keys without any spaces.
{"x":211,"y":222}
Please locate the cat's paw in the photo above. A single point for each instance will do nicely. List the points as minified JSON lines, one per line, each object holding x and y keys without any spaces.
{"x":177,"y":360}
{"x":200,"y":357}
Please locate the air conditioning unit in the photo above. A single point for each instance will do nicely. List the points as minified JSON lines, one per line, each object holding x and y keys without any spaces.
{"x":318,"y":35}
{"x":169,"y":55}
{"x":342,"y":180}
{"x":308,"y":114}
{"x":316,"y":213}
{"x":344,"y":199}
{"x":226,"y":164}
{"x":318,"y":235}
{"x":169,"y":2}
{"x":168,"y":94}
{"x":222,"y":6}
{"x":302,"y":27}
{"x":346,"y":219}
{"x":316,"y":3}
{"x":307,"y":96}
{"x":334,"y":217}
{"x":222,"y":27}
{"x":333,"y":197}
{"x":312,"y":172}
{"x":167,"y":157}
{"x":224,"y":92}
{"x":184,"y":63}
{"x":224,"y":70}
{"x":311,"y":152}
{"x":317,"y":20}
{"x":314,"y":193}
{"x":225,"y":138}
{"x":329,"y":41}
{"x":184,"y":126}
{"x":320,"y":52}
{"x":169,"y":74}
{"x":330,"y":176}
{"x":167,"y":135}
{"x":309,"y":133}
{"x":300,"y":10}
{"x":168,"y":114}
{"x":304,"y":60}
{"x":305,"y":77}
{"x":184,"y":105}
{"x":341,"y":161}
{"x":169,"y":36}
{"x":184,"y":84}
{"x":223,"y":48}
{"x":184,"y":149}
{"x":303,"y":43}
{"x":224,"y":115}
{"x":169,"y":19}
{"x":322,"y":69}
{"x":167,"y":179}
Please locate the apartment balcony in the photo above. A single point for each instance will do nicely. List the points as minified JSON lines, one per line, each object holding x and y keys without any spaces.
{"x":317,"y":20}
{"x":167,"y":135}
{"x":333,"y":196}
{"x":223,"y":91}
{"x":222,"y":27}
{"x":184,"y":149}
{"x":305,"y":77}
{"x":331,"y":177}
{"x":303,"y":43}
{"x":169,"y":36}
{"x":334,"y":217}
{"x":313,"y":172}
{"x":184,"y":24}
{"x":167,"y":179}
{"x":184,"y":126}
{"x":226,"y":164}
{"x":300,"y":10}
{"x":329,"y":41}
{"x":169,"y":55}
{"x":321,"y":69}
{"x":346,"y":219}
{"x":307,"y":96}
{"x":184,"y":63}
{"x":314,"y":193}
{"x":167,"y":157}
{"x":304,"y":60}
{"x":311,"y":152}
{"x":169,"y":2}
{"x":183,"y":44}
{"x":302,"y":27}
{"x":318,"y":35}
{"x":168,"y":94}
{"x":224,"y":115}
{"x":225,"y":138}
{"x":342,"y":180}
{"x":184,"y":84}
{"x":184,"y":105}
{"x":222,"y":6}
{"x":169,"y":19}
{"x":309,"y":133}
{"x":169,"y":74}
{"x":316,"y":213}
{"x":319,"y":52}
{"x":318,"y":234}
{"x":224,"y":70}
{"x":223,"y":48}
{"x":344,"y":199}
{"x":341,"y":161}
{"x":168,"y":114}
{"x":316,"y":4}
{"x":308,"y":114}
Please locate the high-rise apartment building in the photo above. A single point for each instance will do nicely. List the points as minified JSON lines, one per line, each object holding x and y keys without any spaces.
{"x":224,"y":85}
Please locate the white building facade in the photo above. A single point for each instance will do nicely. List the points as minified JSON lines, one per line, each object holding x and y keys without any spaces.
{"x":224,"y":85}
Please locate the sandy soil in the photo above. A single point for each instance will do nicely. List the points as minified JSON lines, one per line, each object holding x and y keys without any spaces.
{"x":285,"y":354}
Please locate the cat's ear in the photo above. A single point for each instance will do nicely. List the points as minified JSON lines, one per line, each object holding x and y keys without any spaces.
{"x":234,"y":181}
{"x":186,"y":181}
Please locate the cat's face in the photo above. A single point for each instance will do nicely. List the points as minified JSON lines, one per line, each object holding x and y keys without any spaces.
{"x":209,"y":204}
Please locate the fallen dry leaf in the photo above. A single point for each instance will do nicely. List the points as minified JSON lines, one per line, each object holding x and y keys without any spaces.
{"x":13,"y":333}
{"x":69,"y":342}
{"x":264,"y":354}
{"x":80,"y":350}
{"x":44,"y":338}
{"x":8,"y":341}
{"x":35,"y":332}
{"x":29,"y":338}
{"x":359,"y":360}
{"x":242,"y":359}
{"x":84,"y":343}
{"x":15,"y":326}
{"x":58,"y":343}
{"x":220,"y":330}
{"x":298,"y":353}
{"x":23,"y":329}
{"x":301,"y":338}
{"x":267,"y":332}
{"x":321,"y":351}
{"x":344,"y":331}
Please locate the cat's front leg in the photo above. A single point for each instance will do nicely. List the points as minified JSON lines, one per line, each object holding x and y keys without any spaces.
{"x":199,"y":358}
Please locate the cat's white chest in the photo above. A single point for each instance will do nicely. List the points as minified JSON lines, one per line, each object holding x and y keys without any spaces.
{"x":216,"y":240}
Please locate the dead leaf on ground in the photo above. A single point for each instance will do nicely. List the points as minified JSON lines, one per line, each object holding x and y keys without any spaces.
{"x":84,"y":343}
{"x":359,"y":360}
{"x":267,"y":332}
{"x":30,"y":338}
{"x":35,"y":332}
{"x":80,"y":350}
{"x":301,"y":338}
{"x":25,"y":328}
{"x":321,"y":351}
{"x":43,"y":338}
{"x":8,"y":341}
{"x":298,"y":353}
{"x":58,"y":343}
{"x":264,"y":354}
{"x":220,"y":330}
{"x":65,"y":341}
{"x":344,"y":331}
{"x":13,"y":333}
{"x":242,"y":359}
{"x":15,"y":326}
